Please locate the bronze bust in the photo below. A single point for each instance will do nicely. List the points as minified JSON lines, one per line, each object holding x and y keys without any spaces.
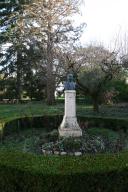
{"x":70,"y":84}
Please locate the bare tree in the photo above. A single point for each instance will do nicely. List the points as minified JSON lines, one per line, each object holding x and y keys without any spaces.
{"x":94,"y":66}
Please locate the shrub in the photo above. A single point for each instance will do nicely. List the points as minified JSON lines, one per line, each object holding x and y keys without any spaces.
{"x":53,"y":135}
{"x":121,"y":87}
{"x":72,"y":144}
{"x":20,"y":172}
{"x":113,"y":135}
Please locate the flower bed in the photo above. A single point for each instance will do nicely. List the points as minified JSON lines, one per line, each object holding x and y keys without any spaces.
{"x":100,"y":142}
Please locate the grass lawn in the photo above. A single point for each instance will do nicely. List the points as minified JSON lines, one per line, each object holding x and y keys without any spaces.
{"x":12,"y":111}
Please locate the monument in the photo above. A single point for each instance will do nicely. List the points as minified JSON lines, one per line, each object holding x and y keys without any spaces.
{"x":69,"y":126}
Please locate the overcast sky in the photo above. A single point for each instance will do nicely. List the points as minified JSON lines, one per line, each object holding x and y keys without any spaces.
{"x":105,"y":19}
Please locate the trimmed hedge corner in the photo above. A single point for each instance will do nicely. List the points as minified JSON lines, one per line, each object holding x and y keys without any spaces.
{"x":20,"y":172}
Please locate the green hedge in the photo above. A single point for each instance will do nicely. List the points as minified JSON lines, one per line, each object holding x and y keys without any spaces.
{"x":52,"y":122}
{"x":21,"y":172}
{"x":44,"y":122}
{"x":115,"y":124}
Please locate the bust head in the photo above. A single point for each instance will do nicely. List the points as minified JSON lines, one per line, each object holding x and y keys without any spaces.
{"x":70,"y":77}
{"x":69,"y":84}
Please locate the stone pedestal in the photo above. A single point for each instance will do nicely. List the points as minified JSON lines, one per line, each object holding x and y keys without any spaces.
{"x":69,"y":126}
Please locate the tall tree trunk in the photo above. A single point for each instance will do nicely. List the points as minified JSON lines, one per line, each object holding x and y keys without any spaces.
{"x":19,"y":89}
{"x":50,"y":85}
{"x":50,"y":90}
{"x":50,"y":76}
{"x":19,"y":77}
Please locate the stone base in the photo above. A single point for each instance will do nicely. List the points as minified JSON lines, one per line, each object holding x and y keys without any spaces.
{"x":70,"y":128}
{"x":70,"y":133}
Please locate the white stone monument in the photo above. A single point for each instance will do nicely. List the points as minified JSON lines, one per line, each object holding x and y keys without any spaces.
{"x":69,"y":126}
